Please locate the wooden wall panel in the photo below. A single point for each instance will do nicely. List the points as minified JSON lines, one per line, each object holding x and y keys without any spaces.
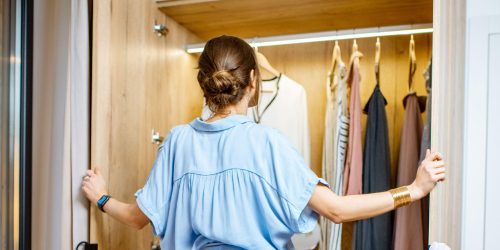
{"x":451,"y":123}
{"x":260,"y":18}
{"x":139,"y":82}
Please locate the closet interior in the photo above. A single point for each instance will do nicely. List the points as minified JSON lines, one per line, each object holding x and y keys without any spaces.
{"x":144,"y":80}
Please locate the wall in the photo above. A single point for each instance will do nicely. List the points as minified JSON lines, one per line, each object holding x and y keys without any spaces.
{"x":308,"y":64}
{"x":481,"y":201}
{"x":140,"y":82}
{"x":477,"y":8}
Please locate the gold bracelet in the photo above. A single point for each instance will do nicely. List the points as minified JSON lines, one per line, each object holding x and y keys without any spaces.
{"x":401,"y":196}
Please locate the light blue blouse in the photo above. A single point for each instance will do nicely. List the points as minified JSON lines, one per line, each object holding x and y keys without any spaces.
{"x":229,"y":184}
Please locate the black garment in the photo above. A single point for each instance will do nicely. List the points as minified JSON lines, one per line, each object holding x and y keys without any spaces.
{"x":375,"y":233}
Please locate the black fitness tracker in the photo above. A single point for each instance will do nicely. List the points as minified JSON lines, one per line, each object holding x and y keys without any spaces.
{"x":102,"y":201}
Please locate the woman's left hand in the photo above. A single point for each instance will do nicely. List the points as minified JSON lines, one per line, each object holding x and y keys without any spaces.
{"x":431,"y":171}
{"x":94,"y":186}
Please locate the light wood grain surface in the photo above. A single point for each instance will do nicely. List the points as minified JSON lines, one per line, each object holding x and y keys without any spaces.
{"x":257,"y":18}
{"x":449,"y":122}
{"x":140,"y":82}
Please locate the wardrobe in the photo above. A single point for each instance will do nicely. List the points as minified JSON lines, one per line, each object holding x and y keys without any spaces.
{"x":144,"y":81}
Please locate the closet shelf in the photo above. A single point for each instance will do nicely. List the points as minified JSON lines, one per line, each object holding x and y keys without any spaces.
{"x":261,"y":18}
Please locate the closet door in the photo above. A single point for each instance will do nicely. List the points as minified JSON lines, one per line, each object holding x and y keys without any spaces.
{"x":138,"y":81}
{"x":482,"y":135}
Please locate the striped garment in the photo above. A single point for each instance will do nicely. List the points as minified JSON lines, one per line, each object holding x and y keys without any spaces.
{"x":334,"y":151}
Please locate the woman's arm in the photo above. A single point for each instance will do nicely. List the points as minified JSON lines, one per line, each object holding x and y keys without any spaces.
{"x":94,"y":187}
{"x":341,"y":209}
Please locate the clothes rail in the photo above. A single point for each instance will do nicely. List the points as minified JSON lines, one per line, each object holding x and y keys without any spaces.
{"x":328,"y":36}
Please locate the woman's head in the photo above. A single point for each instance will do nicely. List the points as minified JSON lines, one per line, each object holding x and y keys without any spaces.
{"x":228,"y":73}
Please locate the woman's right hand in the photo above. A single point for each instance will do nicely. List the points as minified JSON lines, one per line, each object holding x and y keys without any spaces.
{"x":94,"y":185}
{"x":431,"y":171}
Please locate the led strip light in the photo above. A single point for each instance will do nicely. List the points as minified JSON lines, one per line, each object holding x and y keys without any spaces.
{"x":328,"y":36}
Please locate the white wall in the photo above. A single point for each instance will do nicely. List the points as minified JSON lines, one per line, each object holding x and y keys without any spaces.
{"x":483,"y":8}
{"x":481,"y":201}
{"x":492,"y":216}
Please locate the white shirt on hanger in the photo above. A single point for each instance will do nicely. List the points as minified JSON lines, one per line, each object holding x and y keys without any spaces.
{"x":283,"y":105}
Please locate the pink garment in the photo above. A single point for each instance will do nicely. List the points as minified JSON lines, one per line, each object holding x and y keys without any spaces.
{"x":354,"y":162}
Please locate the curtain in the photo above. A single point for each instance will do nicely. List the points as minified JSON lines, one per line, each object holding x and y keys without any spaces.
{"x":60,"y":123}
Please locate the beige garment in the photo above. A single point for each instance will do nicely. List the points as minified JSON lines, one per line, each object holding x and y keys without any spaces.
{"x":408,"y":231}
{"x":334,"y":151}
{"x":354,"y":161}
{"x":328,"y":157}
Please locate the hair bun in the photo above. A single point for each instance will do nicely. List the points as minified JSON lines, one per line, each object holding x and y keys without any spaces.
{"x":224,"y":82}
{"x":224,"y":70}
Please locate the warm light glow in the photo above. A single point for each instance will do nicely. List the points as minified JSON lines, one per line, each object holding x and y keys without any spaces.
{"x":326,"y":36}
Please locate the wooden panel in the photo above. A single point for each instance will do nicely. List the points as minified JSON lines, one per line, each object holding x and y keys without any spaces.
{"x":258,"y":18}
{"x":140,"y":82}
{"x":448,"y":130}
{"x":308,"y":65}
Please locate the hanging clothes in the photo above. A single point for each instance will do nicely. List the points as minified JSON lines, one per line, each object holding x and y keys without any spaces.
{"x":408,"y":231}
{"x":354,"y":161}
{"x":376,"y":232}
{"x":327,"y":163}
{"x":283,"y":105}
{"x":334,"y":151}
{"x":426,"y":144}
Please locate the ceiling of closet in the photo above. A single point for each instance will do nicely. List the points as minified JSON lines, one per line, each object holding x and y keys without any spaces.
{"x":259,"y":18}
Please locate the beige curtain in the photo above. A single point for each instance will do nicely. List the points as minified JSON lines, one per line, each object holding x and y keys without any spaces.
{"x":60,"y":123}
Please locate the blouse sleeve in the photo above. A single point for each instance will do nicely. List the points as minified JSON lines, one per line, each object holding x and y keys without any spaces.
{"x":295,"y":182}
{"x":153,"y":198}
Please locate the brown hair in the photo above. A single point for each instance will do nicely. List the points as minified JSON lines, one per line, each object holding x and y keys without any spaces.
{"x":224,"y":71}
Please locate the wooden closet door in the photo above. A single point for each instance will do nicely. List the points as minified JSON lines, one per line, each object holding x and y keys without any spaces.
{"x":140,"y":82}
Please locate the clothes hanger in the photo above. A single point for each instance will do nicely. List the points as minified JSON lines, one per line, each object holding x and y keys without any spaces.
{"x":354,"y":60}
{"x":264,"y":63}
{"x":336,"y":60}
{"x":413,"y":64}
{"x":337,"y":57}
{"x":377,"y":61}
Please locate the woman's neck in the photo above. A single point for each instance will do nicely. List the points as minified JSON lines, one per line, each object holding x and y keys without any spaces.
{"x":237,"y":109}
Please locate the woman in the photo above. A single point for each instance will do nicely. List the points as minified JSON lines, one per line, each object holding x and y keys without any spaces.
{"x":228,"y":183}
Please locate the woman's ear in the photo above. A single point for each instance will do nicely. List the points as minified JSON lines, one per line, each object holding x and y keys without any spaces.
{"x":254,"y":89}
{"x":253,"y":83}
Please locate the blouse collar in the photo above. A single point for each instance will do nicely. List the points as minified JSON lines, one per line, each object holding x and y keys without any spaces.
{"x":219,"y":125}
